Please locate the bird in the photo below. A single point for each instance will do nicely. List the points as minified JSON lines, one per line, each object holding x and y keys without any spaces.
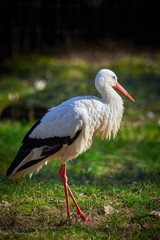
{"x":68,"y":129}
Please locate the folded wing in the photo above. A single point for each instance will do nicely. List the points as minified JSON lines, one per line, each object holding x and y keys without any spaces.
{"x":60,"y":126}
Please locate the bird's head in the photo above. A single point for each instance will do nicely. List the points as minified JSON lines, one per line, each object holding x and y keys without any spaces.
{"x":107,"y":77}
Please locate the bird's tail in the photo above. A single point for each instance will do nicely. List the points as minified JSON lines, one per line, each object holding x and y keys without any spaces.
{"x":26,"y":163}
{"x":22,"y":154}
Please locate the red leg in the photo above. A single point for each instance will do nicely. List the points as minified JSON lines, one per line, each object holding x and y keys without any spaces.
{"x":63,"y":176}
{"x":79,"y":211}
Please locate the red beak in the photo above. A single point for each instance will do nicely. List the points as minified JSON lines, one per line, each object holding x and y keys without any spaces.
{"x":121,"y":89}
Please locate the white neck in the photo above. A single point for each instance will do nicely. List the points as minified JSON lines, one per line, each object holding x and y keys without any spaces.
{"x":114,"y":108}
{"x":109,"y":95}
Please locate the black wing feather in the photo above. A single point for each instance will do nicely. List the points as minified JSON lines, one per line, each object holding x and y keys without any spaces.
{"x":30,"y":131}
{"x":35,"y":161}
{"x":51,"y":146}
{"x":23,"y":151}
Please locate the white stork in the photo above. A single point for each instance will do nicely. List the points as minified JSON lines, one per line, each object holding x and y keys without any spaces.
{"x":67,"y":130}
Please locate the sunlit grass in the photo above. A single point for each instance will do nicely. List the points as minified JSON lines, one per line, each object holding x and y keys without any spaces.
{"x":140,"y":75}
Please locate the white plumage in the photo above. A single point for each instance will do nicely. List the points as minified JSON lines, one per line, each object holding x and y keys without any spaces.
{"x":67,"y":130}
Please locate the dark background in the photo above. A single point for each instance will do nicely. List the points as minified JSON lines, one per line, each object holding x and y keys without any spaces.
{"x":41,"y":25}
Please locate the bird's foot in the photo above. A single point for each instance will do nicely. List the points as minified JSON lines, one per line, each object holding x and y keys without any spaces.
{"x":83,"y":216}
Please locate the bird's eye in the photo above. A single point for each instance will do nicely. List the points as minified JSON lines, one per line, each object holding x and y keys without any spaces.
{"x":114,"y":77}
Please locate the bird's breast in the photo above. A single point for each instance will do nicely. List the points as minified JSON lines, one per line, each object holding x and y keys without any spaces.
{"x":98,"y":119}
{"x":106,"y":120}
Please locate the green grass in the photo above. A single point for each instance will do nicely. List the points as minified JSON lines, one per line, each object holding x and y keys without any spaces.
{"x":123,"y":173}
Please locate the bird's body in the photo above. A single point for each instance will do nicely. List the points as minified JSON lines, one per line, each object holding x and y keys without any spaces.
{"x":87,"y":116}
{"x":67,"y":130}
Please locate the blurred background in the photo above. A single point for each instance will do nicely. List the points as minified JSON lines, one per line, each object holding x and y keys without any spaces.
{"x":51,"y":51}
{"x":43,"y":26}
{"x":46,"y":45}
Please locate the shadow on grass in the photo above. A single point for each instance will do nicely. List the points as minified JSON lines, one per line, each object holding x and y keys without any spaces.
{"x":121,"y":177}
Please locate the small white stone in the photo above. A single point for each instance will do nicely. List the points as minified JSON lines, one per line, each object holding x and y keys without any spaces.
{"x":40,"y":85}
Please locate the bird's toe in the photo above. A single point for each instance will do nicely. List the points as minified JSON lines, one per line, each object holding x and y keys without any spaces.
{"x":83,"y":216}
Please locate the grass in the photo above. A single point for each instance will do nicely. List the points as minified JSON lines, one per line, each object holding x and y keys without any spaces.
{"x":123,"y":173}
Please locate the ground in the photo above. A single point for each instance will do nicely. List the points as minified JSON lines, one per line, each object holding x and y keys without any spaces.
{"x":116,"y":183}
